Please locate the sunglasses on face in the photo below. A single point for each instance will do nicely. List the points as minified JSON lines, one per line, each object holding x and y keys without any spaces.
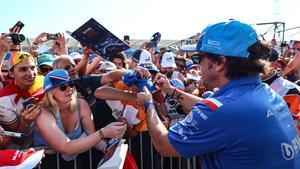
{"x":68,"y":67}
{"x":65,"y":86}
{"x":196,"y":58}
{"x":45,"y":70}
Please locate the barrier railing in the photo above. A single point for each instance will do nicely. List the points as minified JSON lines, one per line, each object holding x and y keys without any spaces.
{"x":146,"y":156}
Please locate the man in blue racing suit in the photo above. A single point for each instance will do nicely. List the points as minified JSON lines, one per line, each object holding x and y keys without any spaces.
{"x":245,"y":124}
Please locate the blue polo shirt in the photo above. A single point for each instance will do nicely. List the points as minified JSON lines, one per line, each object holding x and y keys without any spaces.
{"x":245,"y":125}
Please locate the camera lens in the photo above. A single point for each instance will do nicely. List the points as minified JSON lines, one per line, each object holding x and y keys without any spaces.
{"x":21,"y":37}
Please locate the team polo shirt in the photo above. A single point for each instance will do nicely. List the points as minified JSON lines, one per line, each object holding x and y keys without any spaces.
{"x":244,"y":125}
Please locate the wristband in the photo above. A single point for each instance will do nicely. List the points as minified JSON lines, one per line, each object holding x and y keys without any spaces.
{"x":173,"y":93}
{"x":149,"y":104}
{"x":102,"y":137}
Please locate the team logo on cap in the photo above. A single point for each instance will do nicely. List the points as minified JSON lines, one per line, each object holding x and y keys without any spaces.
{"x":169,"y":59}
{"x":59,"y":77}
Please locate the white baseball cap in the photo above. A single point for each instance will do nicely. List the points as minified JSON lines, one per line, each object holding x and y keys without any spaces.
{"x":168,"y":60}
{"x":75,"y":55}
{"x":141,"y":56}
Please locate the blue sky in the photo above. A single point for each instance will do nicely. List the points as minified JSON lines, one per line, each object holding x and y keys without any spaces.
{"x":174,"y":19}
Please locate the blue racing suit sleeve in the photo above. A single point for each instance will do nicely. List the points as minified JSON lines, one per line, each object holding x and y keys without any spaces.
{"x":199,"y":133}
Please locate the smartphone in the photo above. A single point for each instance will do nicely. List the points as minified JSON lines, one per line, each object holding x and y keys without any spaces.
{"x":291,"y":44}
{"x":19,"y":25}
{"x":126,"y":37}
{"x":11,"y":134}
{"x":51,"y":36}
{"x":151,"y":45}
{"x":27,"y":103}
{"x":158,"y":96}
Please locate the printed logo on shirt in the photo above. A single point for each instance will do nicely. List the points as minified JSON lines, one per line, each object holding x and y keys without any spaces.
{"x":180,"y":131}
{"x":289,"y":151}
{"x":189,"y":119}
{"x":200,"y":113}
{"x":279,"y":107}
{"x":270,"y":113}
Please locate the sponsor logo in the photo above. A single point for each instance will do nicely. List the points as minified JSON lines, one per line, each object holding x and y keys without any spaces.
{"x":16,"y":155}
{"x":169,"y":59}
{"x":180,"y":131}
{"x":289,"y":151}
{"x":201,"y":114}
{"x":213,"y":42}
{"x":269,"y":114}
{"x":189,"y":118}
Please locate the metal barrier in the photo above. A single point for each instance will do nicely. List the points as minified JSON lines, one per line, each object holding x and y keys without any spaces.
{"x":144,"y":159}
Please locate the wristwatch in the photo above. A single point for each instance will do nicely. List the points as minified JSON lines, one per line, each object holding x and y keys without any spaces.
{"x":101,"y":135}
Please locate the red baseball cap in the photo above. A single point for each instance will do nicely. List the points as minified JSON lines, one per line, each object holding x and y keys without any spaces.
{"x":17,"y":159}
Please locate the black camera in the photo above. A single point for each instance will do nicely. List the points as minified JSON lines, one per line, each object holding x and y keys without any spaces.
{"x":17,"y":38}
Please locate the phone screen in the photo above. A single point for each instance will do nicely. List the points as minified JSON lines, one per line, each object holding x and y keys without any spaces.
{"x":291,"y":44}
{"x":51,"y":36}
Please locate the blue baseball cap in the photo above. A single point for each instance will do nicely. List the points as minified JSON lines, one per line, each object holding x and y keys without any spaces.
{"x":56,"y":78}
{"x":189,"y":64}
{"x":231,"y":39}
{"x":178,"y":84}
{"x":45,"y":59}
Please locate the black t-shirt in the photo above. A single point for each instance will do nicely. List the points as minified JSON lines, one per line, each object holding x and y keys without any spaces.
{"x":102,"y":113}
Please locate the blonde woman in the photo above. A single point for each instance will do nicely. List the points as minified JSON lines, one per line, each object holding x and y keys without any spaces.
{"x":64,"y":121}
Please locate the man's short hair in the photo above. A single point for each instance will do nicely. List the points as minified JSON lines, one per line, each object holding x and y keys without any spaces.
{"x":59,"y":59}
{"x":240,"y":67}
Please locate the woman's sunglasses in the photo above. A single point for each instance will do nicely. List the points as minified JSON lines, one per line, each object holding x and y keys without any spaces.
{"x":69,"y":67}
{"x":65,"y":86}
{"x":45,"y":70}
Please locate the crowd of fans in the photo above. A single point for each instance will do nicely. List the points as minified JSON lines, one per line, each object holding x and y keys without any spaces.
{"x":82,"y":102}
